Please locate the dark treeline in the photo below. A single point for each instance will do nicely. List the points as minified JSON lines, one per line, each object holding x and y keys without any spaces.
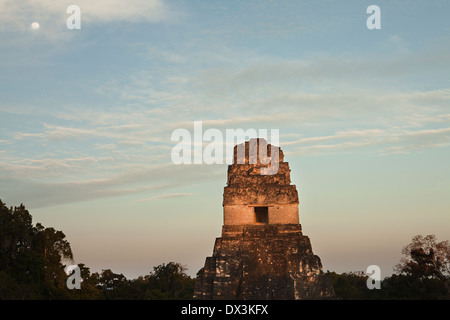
{"x":422,"y":274}
{"x":352,"y":286}
{"x":33,"y":260}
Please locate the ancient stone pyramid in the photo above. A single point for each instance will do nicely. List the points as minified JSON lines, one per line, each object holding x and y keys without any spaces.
{"x":262,"y":253}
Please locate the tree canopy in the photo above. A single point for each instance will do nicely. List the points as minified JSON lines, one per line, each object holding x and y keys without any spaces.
{"x":423,"y":273}
{"x":33,"y":261}
{"x":31,"y":257}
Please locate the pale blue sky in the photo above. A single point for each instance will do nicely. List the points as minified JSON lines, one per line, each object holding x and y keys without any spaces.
{"x":86,"y":118}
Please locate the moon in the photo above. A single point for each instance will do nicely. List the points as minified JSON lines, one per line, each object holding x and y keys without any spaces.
{"x":35,"y":26}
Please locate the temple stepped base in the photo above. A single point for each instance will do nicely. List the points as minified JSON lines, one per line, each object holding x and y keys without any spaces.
{"x":255,"y":262}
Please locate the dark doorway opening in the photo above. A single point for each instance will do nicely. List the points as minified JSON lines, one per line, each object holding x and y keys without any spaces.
{"x":261,"y":215}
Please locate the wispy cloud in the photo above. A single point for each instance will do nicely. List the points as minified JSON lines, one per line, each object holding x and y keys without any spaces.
{"x":16,"y":18}
{"x":322,"y":70}
{"x":383,"y":141}
{"x":47,"y":190}
{"x":20,"y":14}
{"x":421,"y":139}
{"x":369,"y":133}
{"x":165,"y":196}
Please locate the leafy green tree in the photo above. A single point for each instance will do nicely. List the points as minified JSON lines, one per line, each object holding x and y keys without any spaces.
{"x":425,"y":258}
{"x":422,"y":274}
{"x":22,"y":268}
{"x":427,"y":262}
{"x":55,"y":249}
{"x":170,"y":282}
{"x":405,"y":287}
{"x":31,"y":257}
{"x":16,"y":233}
{"x":114,"y":286}
{"x":352,"y":286}
{"x":90,"y":288}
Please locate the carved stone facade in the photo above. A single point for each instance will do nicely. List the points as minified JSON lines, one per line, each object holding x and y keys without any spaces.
{"x":262,"y":253}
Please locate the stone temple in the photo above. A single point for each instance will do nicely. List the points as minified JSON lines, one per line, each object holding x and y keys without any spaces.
{"x":262,"y":253}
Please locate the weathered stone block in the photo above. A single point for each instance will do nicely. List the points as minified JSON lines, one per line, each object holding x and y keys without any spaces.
{"x":262,"y":253}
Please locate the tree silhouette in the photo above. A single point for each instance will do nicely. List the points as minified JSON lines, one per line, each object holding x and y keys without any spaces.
{"x":425,"y":258}
{"x":31,"y":258}
{"x":169,"y":281}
